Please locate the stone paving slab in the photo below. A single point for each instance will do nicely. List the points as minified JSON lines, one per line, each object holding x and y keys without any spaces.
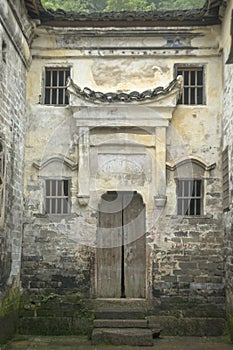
{"x":82,"y":343}
{"x":121,"y":336}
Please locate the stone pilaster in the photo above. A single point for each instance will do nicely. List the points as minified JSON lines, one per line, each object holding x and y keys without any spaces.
{"x":160,"y":177}
{"x":84,"y":165}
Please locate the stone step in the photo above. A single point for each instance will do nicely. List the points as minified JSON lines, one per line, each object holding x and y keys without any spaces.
{"x":119,"y":315}
{"x":129,"y":323}
{"x":123,"y":336}
{"x":118,"y":304}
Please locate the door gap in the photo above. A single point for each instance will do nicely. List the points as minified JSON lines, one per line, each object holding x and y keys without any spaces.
{"x":122,"y":251}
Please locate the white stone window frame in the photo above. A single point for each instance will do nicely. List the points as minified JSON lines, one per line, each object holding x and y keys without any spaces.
{"x":197,"y":169}
{"x":190,"y":66}
{"x":57,"y":167}
{"x":51,"y":65}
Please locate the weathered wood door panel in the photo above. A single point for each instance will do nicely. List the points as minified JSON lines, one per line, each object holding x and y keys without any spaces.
{"x":121,"y":249}
{"x":135,"y":247}
{"x":109,"y":241}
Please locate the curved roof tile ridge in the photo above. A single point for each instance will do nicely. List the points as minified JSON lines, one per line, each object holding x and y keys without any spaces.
{"x":113,"y":97}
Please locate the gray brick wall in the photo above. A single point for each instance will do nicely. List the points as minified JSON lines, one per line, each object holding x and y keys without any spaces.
{"x":227,"y":141}
{"x":12,"y":114}
{"x":12,"y":130}
{"x":188,"y":273}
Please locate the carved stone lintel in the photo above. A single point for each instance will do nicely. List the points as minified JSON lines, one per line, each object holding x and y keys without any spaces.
{"x":160,"y":201}
{"x":83,"y":199}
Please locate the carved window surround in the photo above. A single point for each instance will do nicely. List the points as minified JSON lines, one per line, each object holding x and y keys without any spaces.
{"x":56,"y":168}
{"x":190,"y":175}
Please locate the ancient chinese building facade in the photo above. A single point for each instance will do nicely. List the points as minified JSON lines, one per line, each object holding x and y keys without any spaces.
{"x":124,"y":193}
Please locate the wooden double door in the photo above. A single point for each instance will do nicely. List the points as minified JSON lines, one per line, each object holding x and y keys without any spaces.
{"x":121,"y":246}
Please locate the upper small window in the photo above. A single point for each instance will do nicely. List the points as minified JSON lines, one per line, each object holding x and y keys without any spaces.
{"x":57,"y":196}
{"x":55,"y":86}
{"x":193,"y":80}
{"x":189,"y":197}
{"x":4,"y":51}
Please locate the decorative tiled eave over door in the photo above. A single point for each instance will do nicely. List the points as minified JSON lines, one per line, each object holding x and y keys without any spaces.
{"x":151,"y":110}
{"x":126,"y":163}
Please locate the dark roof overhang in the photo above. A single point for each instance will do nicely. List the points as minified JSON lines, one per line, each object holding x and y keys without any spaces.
{"x":208,"y":15}
{"x":35,"y":8}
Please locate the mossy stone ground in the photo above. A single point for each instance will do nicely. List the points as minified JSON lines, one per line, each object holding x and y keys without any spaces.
{"x":82,"y":343}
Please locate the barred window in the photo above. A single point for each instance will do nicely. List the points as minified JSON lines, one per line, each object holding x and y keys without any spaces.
{"x":55,"y":86}
{"x":189,"y":197}
{"x":225,"y":174}
{"x":4,"y":51}
{"x":57,"y":197}
{"x":193,"y":80}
